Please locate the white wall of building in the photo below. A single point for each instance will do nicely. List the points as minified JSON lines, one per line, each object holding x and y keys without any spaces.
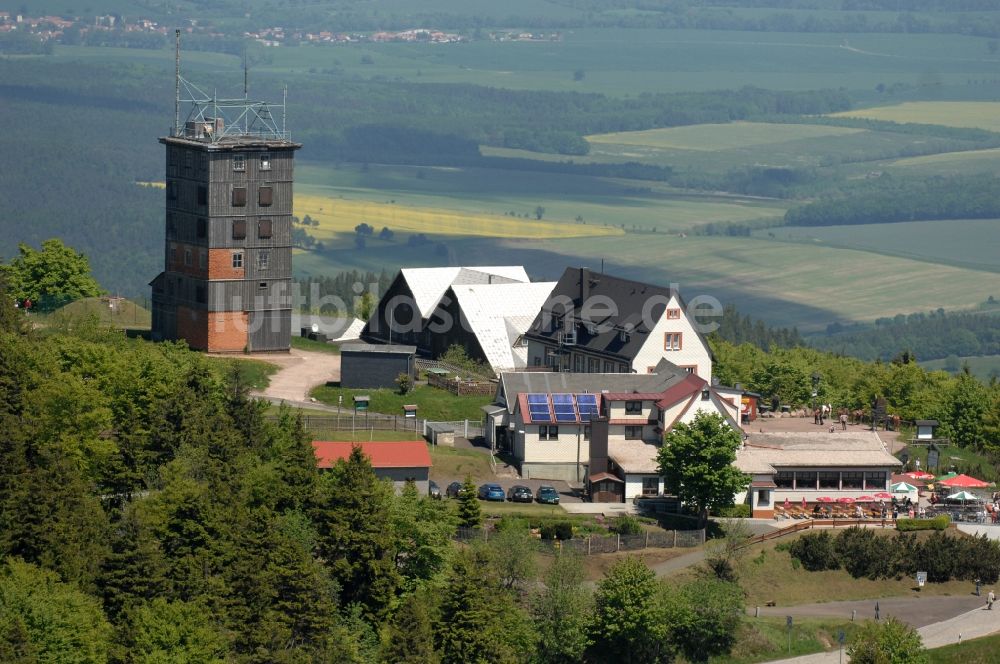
{"x":693,"y":351}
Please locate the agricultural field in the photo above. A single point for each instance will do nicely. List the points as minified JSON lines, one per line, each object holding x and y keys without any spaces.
{"x":976,"y":114}
{"x":970,"y":243}
{"x":713,"y":137}
{"x":948,"y":163}
{"x":984,"y":367}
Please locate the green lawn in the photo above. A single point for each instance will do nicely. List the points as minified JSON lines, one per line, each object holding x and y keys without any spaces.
{"x":125,"y":314}
{"x":305,"y":343}
{"x":983,"y":366}
{"x":432,"y":403}
{"x":256,"y":374}
{"x":719,"y":136}
{"x":454,"y":463}
{"x":974,"y":651}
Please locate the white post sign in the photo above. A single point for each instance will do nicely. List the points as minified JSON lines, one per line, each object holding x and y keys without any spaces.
{"x":921,"y":579}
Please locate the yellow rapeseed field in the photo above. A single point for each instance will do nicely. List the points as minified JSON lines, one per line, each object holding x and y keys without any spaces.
{"x":339,"y":215}
{"x":978,"y":114}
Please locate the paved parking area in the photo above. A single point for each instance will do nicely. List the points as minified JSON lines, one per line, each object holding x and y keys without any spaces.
{"x":565,"y":493}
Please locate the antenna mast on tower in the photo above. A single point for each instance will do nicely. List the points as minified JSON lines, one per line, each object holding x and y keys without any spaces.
{"x":177,"y":82}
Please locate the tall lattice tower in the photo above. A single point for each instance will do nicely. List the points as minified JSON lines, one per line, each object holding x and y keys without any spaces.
{"x":226,"y":284}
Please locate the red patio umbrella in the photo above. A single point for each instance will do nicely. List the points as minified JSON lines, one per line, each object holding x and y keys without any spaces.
{"x":865,"y":499}
{"x":787,"y":503}
{"x":845,"y":499}
{"x":964,"y":482}
{"x":824,"y":499}
{"x":882,"y":495}
{"x":919,"y":475}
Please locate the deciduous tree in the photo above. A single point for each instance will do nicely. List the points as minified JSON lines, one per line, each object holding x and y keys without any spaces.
{"x":55,"y":273}
{"x":630,"y":621}
{"x":562,"y":611}
{"x":696,"y":462}
{"x":890,"y":642}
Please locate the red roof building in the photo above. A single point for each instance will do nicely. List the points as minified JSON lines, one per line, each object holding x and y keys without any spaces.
{"x":398,"y":461}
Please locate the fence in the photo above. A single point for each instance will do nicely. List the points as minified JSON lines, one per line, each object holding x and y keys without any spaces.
{"x":597,"y":544}
{"x":464,"y":428}
{"x":461,"y":387}
{"x":424,"y":364}
{"x":351,"y":421}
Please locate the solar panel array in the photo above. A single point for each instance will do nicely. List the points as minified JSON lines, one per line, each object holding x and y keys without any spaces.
{"x":562,"y":407}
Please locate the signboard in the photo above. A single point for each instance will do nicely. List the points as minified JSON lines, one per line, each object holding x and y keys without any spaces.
{"x":745,"y":405}
{"x":921,"y":579}
{"x":932,"y":457}
{"x":841,"y":637}
{"x":788,"y":621}
{"x":361,"y":403}
{"x":409,"y":411}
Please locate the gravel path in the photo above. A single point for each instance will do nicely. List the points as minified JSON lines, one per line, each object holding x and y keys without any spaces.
{"x":301,"y":370}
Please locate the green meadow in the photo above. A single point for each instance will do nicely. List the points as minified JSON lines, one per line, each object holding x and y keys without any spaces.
{"x":985,"y":367}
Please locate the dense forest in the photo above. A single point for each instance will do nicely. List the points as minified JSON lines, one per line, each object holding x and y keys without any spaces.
{"x":885,"y":199}
{"x":928,"y":336}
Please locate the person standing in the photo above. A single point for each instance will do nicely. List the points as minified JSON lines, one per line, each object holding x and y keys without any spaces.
{"x":843,"y":420}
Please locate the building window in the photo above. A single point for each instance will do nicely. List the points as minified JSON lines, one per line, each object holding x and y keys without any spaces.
{"x":875,"y":479}
{"x":595,"y":366}
{"x":586,"y":432}
{"x":672,"y":341}
{"x":784,"y":479}
{"x":650,"y":370}
{"x":537,"y":361}
{"x":264,"y":229}
{"x":763,"y":498}
{"x":238,"y":260}
{"x":650,"y":486}
{"x":171,"y":226}
{"x":201,"y":227}
{"x":548,"y":432}
{"x":633,"y":408}
{"x":173,"y":255}
{"x":622,"y":367}
{"x":187,"y":257}
{"x":171,"y":190}
{"x":202,"y":195}
{"x":706,"y":395}
{"x":829,"y":480}
{"x":265,"y":161}
{"x":805,"y":480}
{"x":239,"y":196}
{"x":609,"y":366}
{"x":689,"y":369}
{"x":199,"y":295}
{"x":673,"y":314}
{"x":239,"y":162}
{"x":203,"y":259}
{"x":188,"y":157}
{"x":203,"y":162}
{"x":852,"y":480}
{"x":633,"y":433}
{"x":624,"y":336}
{"x":265,"y":196}
{"x":239,"y":229}
{"x":262,"y":285}
{"x":263,"y":259}
{"x":579,"y":363}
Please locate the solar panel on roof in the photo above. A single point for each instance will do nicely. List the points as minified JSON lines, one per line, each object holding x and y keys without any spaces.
{"x":562,"y":398}
{"x":587,"y":404}
{"x":538,"y":398}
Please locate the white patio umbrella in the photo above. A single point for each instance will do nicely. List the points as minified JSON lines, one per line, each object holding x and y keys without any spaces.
{"x":963,"y":496}
{"x":902,"y":487}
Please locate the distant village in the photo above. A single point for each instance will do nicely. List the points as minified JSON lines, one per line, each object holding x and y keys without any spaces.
{"x":53,"y":28}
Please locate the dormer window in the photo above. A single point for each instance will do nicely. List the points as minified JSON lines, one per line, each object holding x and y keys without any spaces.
{"x":265,"y":162}
{"x":633,"y":408}
{"x":624,"y":336}
{"x":706,"y":395}
{"x":591,"y":329}
{"x":239,"y":162}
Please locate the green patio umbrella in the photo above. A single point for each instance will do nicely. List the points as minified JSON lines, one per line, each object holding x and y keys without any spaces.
{"x":963,"y":496}
{"x":946,"y":476}
{"x":902,"y":487}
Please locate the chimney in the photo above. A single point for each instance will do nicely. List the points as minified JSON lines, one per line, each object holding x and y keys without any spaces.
{"x":598,"y":445}
{"x":584,"y":285}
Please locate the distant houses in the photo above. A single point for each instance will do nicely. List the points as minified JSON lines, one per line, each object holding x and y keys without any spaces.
{"x":398,"y":461}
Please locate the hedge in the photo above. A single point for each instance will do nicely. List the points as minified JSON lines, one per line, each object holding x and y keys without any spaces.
{"x":741,"y":511}
{"x":937,"y":523}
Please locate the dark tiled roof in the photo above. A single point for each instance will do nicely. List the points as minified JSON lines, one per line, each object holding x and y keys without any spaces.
{"x":545,"y":382}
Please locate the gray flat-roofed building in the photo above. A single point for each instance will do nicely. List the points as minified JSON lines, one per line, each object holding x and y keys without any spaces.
{"x":375,"y":365}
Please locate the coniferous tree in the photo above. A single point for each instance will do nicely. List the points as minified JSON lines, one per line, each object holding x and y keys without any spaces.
{"x":354,"y":521}
{"x":562,"y":611}
{"x":409,"y":635}
{"x":469,"y":513}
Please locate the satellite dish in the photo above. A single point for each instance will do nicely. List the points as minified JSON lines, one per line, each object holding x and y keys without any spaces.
{"x":315,"y":327}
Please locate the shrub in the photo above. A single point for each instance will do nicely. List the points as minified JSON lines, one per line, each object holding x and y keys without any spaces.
{"x":815,"y":551}
{"x":937,"y":523}
{"x":627,"y":524}
{"x":560,"y":530}
{"x":863,"y":553}
{"x":405,"y":383}
{"x":733,"y":512}
{"x":548,"y":531}
{"x":515,"y":523}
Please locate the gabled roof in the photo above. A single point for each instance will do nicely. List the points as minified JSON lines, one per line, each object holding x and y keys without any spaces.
{"x":638,"y":305}
{"x":402,"y":454}
{"x":428,"y":284}
{"x":764,"y":453}
{"x":500,"y":313}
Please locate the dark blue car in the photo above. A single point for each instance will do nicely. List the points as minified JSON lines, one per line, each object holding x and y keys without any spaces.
{"x":492,"y":492}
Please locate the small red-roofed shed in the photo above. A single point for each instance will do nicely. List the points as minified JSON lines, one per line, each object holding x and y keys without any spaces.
{"x":398,"y":461}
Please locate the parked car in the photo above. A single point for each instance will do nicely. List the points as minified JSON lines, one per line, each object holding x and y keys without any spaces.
{"x":453,"y":490}
{"x":492,"y":492}
{"x":547,"y":494}
{"x":433,"y":490}
{"x":519,"y":494}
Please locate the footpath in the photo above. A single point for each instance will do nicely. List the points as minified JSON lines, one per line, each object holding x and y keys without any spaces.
{"x":970,"y":624}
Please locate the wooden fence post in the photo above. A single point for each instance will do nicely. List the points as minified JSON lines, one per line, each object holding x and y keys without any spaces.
{"x":675,"y":539}
{"x":618,"y":545}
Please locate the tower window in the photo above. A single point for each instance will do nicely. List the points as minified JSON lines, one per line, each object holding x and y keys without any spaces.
{"x":238,"y":260}
{"x":262,"y":285}
{"x":239,"y":229}
{"x":265,"y":162}
{"x":171,"y":190}
{"x":265,"y":196}
{"x":188,"y":158}
{"x":201,"y":227}
{"x":203,"y":259}
{"x":199,"y":295}
{"x":263,"y":259}
{"x":202,"y":195}
{"x":239,"y":196}
{"x":239,"y":162}
{"x":264,"y":229}
{"x":187,"y":257}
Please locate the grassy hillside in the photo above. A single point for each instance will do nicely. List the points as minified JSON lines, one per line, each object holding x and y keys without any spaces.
{"x":120,"y":313}
{"x":985,"y":367}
